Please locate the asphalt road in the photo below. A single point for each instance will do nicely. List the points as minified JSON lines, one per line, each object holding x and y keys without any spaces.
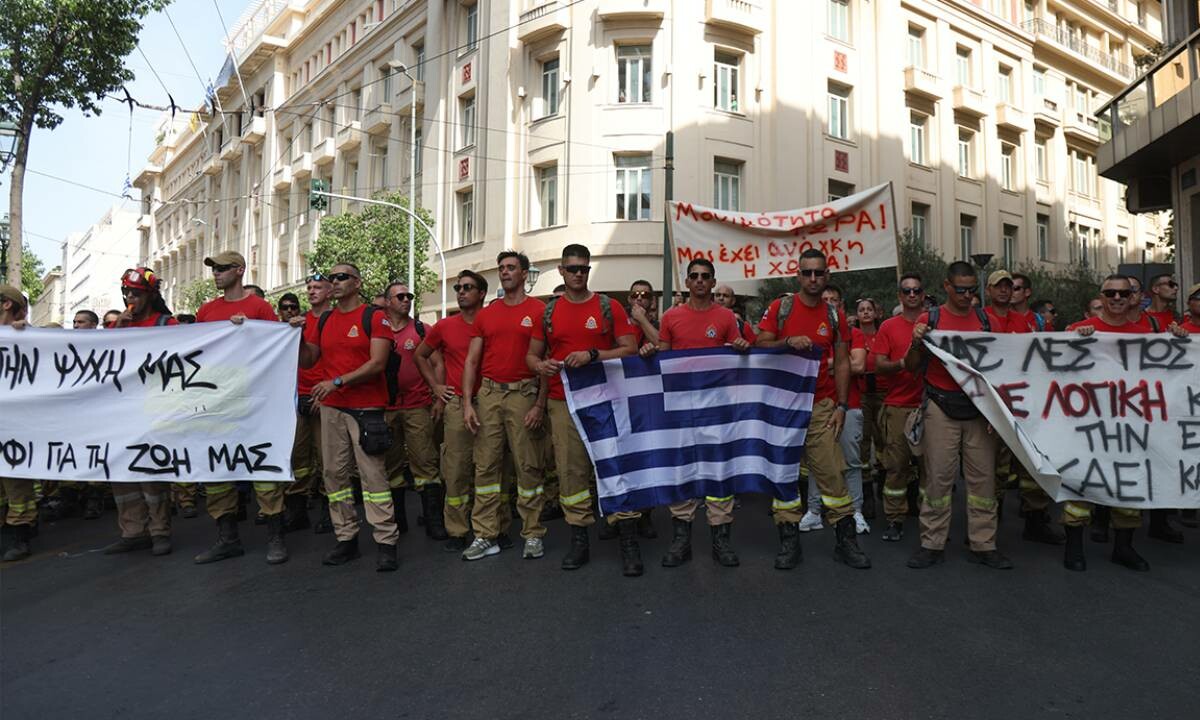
{"x":83,"y":635}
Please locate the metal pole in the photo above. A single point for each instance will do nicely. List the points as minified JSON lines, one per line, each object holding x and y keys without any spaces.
{"x":668,"y":261}
{"x":432,"y":237}
{"x":412,"y":186}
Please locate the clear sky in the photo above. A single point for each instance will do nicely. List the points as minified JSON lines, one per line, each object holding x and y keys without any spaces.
{"x":97,"y":151}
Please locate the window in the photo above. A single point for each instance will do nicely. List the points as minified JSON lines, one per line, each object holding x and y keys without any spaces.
{"x":1004,"y":85}
{"x":1041,"y":160}
{"x":962,"y":67}
{"x":839,"y":111}
{"x":466,"y":217}
{"x":725,"y":81}
{"x":418,"y":70}
{"x":1043,"y":237}
{"x":1039,"y":82}
{"x":916,"y":47}
{"x":1083,"y":176}
{"x":1122,"y":241}
{"x":1008,"y":166}
{"x":1030,"y":11}
{"x":727,"y":185}
{"x":420,"y":160}
{"x":917,"y":143}
{"x":547,"y":195}
{"x":549,"y":88}
{"x":966,"y":237}
{"x":472,"y":27}
{"x":380,"y":153}
{"x":633,"y":74}
{"x":633,"y":187}
{"x":966,"y":148}
{"x":920,"y":224}
{"x":1080,"y":99}
{"x":839,"y":190}
{"x":839,"y":20}
{"x":1008,"y":249}
{"x":466,"y":119}
{"x":351,"y":178}
{"x":385,"y":84}
{"x":355,"y":110}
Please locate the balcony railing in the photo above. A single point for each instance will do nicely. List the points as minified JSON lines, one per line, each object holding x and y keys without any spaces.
{"x":1076,"y":44}
{"x":1173,"y":72}
{"x":254,"y":22}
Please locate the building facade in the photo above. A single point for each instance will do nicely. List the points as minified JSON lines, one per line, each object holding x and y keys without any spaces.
{"x":543,"y":122}
{"x":94,"y":260}
{"x":50,"y":306}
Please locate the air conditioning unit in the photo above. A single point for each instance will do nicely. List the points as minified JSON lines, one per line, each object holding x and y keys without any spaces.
{"x":1149,"y":194}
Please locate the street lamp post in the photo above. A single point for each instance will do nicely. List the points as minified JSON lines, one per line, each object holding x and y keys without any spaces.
{"x":981,"y":260}
{"x":4,"y":248}
{"x":412,"y":172}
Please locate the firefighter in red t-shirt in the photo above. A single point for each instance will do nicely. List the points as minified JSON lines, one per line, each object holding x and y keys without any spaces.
{"x":1192,"y":322}
{"x":1163,"y":293}
{"x":955,"y":434}
{"x":803,"y":321}
{"x":236,"y":304}
{"x":143,"y":508}
{"x":18,"y":499}
{"x":306,"y":449}
{"x":642,"y":312}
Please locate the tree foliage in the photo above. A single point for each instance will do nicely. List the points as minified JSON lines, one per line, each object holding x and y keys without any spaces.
{"x":376,"y":241}
{"x":32,"y":271}
{"x":195,"y":294}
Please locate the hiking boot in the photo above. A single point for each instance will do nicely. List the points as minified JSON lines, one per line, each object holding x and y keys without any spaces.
{"x":926,"y":558}
{"x":990,"y":558}
{"x":631,"y":554}
{"x":846,"y":550}
{"x":385,"y":558}
{"x":343,"y":552}
{"x":277,"y":552}
{"x":680,"y":549}
{"x":1124,"y":554}
{"x":160,"y":545}
{"x":124,"y":545}
{"x":722,"y":548}
{"x":789,"y":555}
{"x":18,"y":542}
{"x":577,"y":556}
{"x":228,"y":544}
{"x":1038,"y":529}
{"x":324,"y":523}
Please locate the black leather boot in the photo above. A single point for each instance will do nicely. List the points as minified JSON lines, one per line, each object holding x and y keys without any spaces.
{"x":296,"y":513}
{"x":277,"y":552}
{"x":578,"y":555}
{"x":18,"y":542}
{"x":789,"y":555}
{"x":1038,"y":529}
{"x":680,"y":549}
{"x":385,"y":558}
{"x":846,"y":550}
{"x":401,"y":512}
{"x":1161,"y":529}
{"x":722,"y":548}
{"x":631,"y":553}
{"x":1073,"y":557}
{"x":1100,"y":516}
{"x":228,"y":544}
{"x":1124,"y":554}
{"x":432,"y":498}
{"x":324,"y":523}
{"x":343,"y":552}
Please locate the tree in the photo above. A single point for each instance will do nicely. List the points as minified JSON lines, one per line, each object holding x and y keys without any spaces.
{"x":195,"y":294}
{"x":56,"y":55}
{"x":32,"y":271}
{"x":375,"y":240}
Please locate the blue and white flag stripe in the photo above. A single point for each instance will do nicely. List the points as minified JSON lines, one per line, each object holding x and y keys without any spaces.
{"x":690,"y":423}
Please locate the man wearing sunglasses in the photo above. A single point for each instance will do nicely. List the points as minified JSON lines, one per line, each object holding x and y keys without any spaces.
{"x":804,"y":321}
{"x":1019,"y":303}
{"x":306,"y":450}
{"x":699,"y":323}
{"x":411,"y":418}
{"x":1192,"y":322}
{"x":643,"y":313}
{"x":289,"y":306}
{"x":956,"y":435}
{"x":450,"y":339}
{"x":236,"y":305}
{"x":512,"y":402}
{"x":904,"y":392}
{"x":1164,"y":291}
{"x":579,"y":328}
{"x":18,"y":501}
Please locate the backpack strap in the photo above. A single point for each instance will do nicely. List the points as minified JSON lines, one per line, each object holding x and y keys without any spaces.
{"x":934,"y":313}
{"x":1154,"y":325}
{"x":1039,"y":321}
{"x":419,"y":327}
{"x":546,"y":326}
{"x":321,"y":324}
{"x":983,"y":320}
{"x":606,"y":314}
{"x":785,"y":310}
{"x":833,"y":322}
{"x":368,"y":314}
{"x":162,"y":319}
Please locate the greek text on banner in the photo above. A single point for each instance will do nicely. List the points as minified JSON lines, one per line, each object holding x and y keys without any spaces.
{"x":857,"y":232}
{"x":1112,"y":419}
{"x":213,"y":402}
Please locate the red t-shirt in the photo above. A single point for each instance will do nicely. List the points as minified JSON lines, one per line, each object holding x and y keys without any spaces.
{"x":252,"y":306}
{"x":1139,"y":328}
{"x":1012,"y":322}
{"x":1164,"y":317}
{"x":414,"y":393}
{"x":748,"y":332}
{"x":812,"y":322}
{"x":686,"y":329}
{"x":344,"y":348}
{"x":307,"y":377}
{"x":882,"y":382}
{"x":580,"y":326}
{"x":936,"y":374}
{"x":1031,"y":320}
{"x":858,"y":341}
{"x":151,"y":321}
{"x":451,"y":337}
{"x":506,"y":330}
{"x":892,"y":341}
{"x":1190,"y":326}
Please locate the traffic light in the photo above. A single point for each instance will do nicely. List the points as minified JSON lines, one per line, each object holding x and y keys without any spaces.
{"x":317,"y":202}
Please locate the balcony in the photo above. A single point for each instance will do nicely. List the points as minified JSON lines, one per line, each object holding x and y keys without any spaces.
{"x":302,"y":165}
{"x":283,"y":177}
{"x":323,"y":151}
{"x":921,"y":82}
{"x":261,"y":31}
{"x":1072,"y":42}
{"x":145,"y":222}
{"x":349,"y":136}
{"x":254,"y":131}
{"x":542,"y":21}
{"x":213,"y":166}
{"x":1082,"y":126}
{"x":232,"y":149}
{"x":402,"y":100}
{"x":378,"y":120}
{"x":1047,"y":111}
{"x":970,"y":101}
{"x":1013,"y":118}
{"x":739,"y":15}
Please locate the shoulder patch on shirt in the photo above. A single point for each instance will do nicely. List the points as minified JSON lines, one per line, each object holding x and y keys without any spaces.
{"x":526,"y":321}
{"x":353,"y":331}
{"x":591,"y":323}
{"x":386,"y":323}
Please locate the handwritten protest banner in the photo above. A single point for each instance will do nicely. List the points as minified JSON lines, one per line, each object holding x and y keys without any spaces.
{"x":213,"y":402}
{"x":1110,"y":418}
{"x":855,"y":233}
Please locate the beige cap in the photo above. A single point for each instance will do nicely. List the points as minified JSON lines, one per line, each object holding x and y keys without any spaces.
{"x":997,"y":276}
{"x":1193,"y":291}
{"x":226,"y":257}
{"x":8,"y":292}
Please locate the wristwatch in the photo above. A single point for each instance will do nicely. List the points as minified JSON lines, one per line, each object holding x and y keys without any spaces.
{"x":844,"y":407}
{"x":337,"y":381}
{"x":595,"y":354}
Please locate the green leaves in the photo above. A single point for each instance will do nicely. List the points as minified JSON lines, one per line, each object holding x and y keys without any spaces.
{"x":195,"y":294}
{"x":32,"y":270}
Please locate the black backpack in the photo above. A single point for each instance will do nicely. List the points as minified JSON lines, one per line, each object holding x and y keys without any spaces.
{"x":393,"y":362}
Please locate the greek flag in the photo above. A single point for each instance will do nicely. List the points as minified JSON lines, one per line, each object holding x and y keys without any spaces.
{"x":694,"y":423}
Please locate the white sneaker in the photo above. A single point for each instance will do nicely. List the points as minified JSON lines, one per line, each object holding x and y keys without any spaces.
{"x":861,"y":526}
{"x":533,"y":549}
{"x":480,"y":548}
{"x":811,"y":521}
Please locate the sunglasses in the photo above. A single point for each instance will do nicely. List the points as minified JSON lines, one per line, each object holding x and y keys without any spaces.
{"x":1169,"y":283}
{"x":812,"y":273}
{"x":289,"y":306}
{"x":132,"y":292}
{"x":639,"y":294}
{"x":222,"y":268}
{"x":342,"y":277}
{"x":403,"y":296}
{"x":1052,"y":311}
{"x":700,"y":276}
{"x":577,"y":269}
{"x":465,"y":287}
{"x":959,"y":290}
{"x":317,"y":277}
{"x":912,"y":290}
{"x":1116,"y":293}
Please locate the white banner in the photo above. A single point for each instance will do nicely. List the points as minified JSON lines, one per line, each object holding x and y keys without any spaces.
{"x":213,"y":402}
{"x":1114,"y":419}
{"x":855,"y":233}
